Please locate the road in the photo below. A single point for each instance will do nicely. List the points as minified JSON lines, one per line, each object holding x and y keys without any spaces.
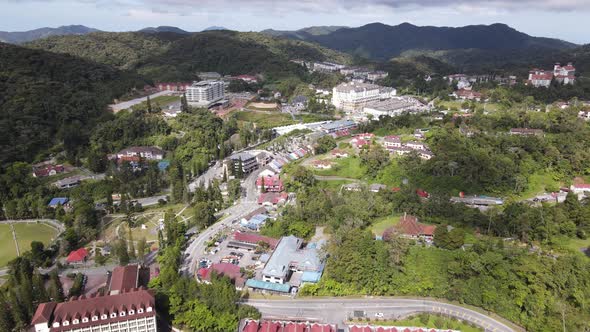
{"x":338,"y":310}
{"x":207,"y":177}
{"x":148,"y":201}
{"x":127,"y":104}
{"x":245,"y":206}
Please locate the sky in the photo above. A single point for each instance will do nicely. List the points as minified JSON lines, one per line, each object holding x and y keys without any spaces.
{"x":564,"y":19}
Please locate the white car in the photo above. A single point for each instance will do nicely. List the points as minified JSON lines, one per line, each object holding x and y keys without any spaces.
{"x":379,"y":315}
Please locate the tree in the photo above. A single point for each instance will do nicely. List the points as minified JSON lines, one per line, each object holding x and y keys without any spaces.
{"x":37,"y":252}
{"x":325,"y":144}
{"x":122,"y":251}
{"x":56,"y":291}
{"x":141,"y":248}
{"x":149,"y":105}
{"x":132,"y":254}
{"x":99,"y":258}
{"x":39,"y":288}
{"x":262,"y":188}
{"x":6,"y":320}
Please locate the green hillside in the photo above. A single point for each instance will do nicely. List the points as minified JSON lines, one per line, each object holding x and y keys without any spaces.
{"x":170,"y":56}
{"x":50,"y":98}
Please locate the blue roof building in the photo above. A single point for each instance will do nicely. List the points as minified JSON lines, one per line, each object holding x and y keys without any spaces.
{"x":163,"y":165}
{"x":268,"y":286}
{"x":58,"y":201}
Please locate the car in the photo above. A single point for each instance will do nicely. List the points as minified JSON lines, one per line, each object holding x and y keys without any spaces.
{"x":379,"y":315}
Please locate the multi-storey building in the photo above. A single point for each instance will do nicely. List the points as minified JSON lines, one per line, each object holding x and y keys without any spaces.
{"x":247,"y":160}
{"x":564,"y":74}
{"x":205,"y":93}
{"x":354,"y":96}
{"x":130,"y":311}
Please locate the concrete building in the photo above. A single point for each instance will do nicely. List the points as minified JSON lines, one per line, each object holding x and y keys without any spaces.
{"x":130,"y":311}
{"x":389,"y":107}
{"x":355,"y":96}
{"x":564,"y":74}
{"x":326,"y":67}
{"x":205,"y":93}
{"x":124,"y":278}
{"x":288,"y":257}
{"x":145,"y":152}
{"x":248,"y":161}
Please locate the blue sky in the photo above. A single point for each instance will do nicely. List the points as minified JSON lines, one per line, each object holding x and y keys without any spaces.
{"x":565,"y":19}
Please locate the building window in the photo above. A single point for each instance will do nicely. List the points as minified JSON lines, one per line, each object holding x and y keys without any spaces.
{"x":104,"y":316}
{"x":76,"y":321}
{"x":94,"y":318}
{"x":131,"y":312}
{"x":113,"y":315}
{"x":56,"y":324}
{"x":65,"y":323}
{"x":122,"y":314}
{"x":85,"y":320}
{"x":140,"y":311}
{"x":149,"y":309}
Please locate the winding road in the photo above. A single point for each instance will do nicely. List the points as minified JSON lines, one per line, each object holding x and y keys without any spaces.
{"x":339,"y":310}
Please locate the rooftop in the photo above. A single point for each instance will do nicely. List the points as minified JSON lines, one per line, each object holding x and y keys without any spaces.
{"x":124,"y":278}
{"x":287,"y":254}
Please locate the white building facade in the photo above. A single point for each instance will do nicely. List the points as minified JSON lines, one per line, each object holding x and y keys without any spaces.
{"x":205,"y":93}
{"x":354,"y":96}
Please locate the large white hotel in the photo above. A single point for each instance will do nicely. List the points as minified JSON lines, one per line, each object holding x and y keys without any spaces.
{"x":354,"y":96}
{"x":205,"y":93}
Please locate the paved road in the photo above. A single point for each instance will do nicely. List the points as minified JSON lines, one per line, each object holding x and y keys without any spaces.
{"x":337,"y":310}
{"x":51,"y":222}
{"x":127,"y":104}
{"x":246,"y":205}
{"x":148,"y":201}
{"x":216,"y":171}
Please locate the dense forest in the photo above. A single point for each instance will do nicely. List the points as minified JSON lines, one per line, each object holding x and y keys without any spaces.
{"x":50,"y":99}
{"x":169,"y":56}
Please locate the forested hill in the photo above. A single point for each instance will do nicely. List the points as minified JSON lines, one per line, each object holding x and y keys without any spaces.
{"x":49,"y":99}
{"x":380,"y":41}
{"x":170,"y":56}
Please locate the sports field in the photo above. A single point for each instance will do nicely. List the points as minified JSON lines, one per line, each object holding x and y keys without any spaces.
{"x":25,"y":234}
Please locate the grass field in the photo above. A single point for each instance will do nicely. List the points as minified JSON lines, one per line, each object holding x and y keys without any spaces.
{"x":456,"y":104}
{"x":575,"y":245}
{"x":381,"y":224}
{"x":442,"y":322}
{"x":264,"y":119}
{"x":7,"y":248}
{"x":25,"y":234}
{"x":161,"y":102}
{"x":350,"y":168}
{"x":539,"y":183}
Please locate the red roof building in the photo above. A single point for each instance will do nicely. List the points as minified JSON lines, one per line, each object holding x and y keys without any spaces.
{"x":77,"y":256}
{"x":467,"y":94}
{"x":231,"y":271}
{"x":123,"y":279}
{"x":272,"y":198}
{"x":321,"y":328}
{"x":97,"y":312}
{"x":269,"y":327}
{"x":48,"y":170}
{"x":409,"y":226}
{"x":295,"y":327}
{"x":255,"y":239}
{"x":271,"y":183}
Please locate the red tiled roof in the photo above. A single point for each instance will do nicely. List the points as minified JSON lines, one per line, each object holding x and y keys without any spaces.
{"x":251,"y":326}
{"x":96,"y":306}
{"x":273,"y":198}
{"x":43,"y":313}
{"x":360,"y":329}
{"x":270,"y":181}
{"x":295,"y":327}
{"x":255,"y":238}
{"x":409,"y":225}
{"x":269,"y":327}
{"x":77,"y":255}
{"x":223,"y":269}
{"x":392,"y":138}
{"x":582,"y":186}
{"x":321,"y":328}
{"x":124,"y":278}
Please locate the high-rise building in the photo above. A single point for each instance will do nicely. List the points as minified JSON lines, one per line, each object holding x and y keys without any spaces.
{"x":205,"y":93}
{"x":354,"y":96}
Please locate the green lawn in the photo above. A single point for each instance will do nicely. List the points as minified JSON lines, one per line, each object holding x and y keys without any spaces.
{"x":573,"y":244}
{"x":25,"y":234}
{"x":350,"y":168}
{"x":161,"y":102}
{"x":264,"y":119}
{"x":7,"y":248}
{"x":442,"y":322}
{"x":381,"y":224}
{"x":539,"y":183}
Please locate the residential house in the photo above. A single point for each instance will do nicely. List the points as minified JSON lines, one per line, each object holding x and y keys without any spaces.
{"x":322,"y":164}
{"x":145,"y":152}
{"x":48,"y":170}
{"x":467,"y":95}
{"x":229,"y":270}
{"x":172,"y":86}
{"x":248,"y":325}
{"x":409,"y":227}
{"x":338,"y":153}
{"x":580,"y":189}
{"x":414,"y":145}
{"x":392,"y":142}
{"x":250,"y":241}
{"x":270,"y":183}
{"x":124,"y":279}
{"x":272,"y":198}
{"x":377,"y":187}
{"x":69,"y":182}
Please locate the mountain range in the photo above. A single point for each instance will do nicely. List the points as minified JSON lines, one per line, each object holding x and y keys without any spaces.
{"x":382,"y":42}
{"x":20,"y":37}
